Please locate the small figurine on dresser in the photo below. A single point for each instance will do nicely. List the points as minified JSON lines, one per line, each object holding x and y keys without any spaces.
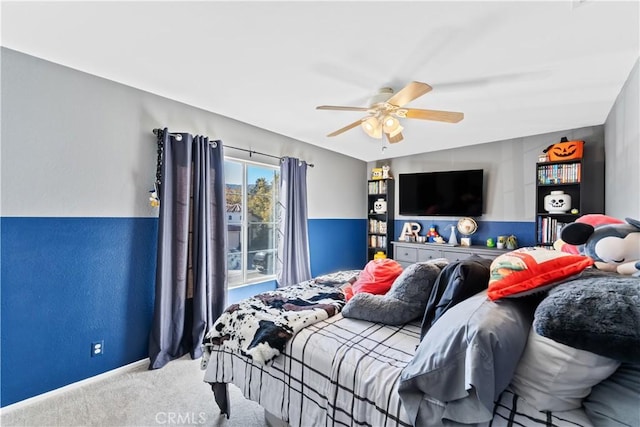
{"x":432,"y":234}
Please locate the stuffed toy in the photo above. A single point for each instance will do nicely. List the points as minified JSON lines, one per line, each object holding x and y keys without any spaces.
{"x":613,"y":245}
{"x":154,"y":201}
{"x":404,"y":302}
{"x":595,"y":220}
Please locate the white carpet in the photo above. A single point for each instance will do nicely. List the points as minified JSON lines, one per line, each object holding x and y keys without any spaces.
{"x":172,"y":396}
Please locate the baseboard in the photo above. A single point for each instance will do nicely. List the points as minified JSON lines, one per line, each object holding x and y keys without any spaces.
{"x":73,"y":386}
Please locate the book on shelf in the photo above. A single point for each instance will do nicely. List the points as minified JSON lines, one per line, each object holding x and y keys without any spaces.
{"x":565,"y":173}
{"x":378,"y":187}
{"x":376,"y":226}
{"x":377,"y":241}
{"x":549,"y":229}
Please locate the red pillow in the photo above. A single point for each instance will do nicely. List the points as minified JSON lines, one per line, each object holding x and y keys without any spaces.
{"x":376,"y":278}
{"x":528,"y":270}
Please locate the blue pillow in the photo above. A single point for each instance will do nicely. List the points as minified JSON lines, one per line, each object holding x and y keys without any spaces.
{"x":457,"y":282}
{"x":465,"y":360}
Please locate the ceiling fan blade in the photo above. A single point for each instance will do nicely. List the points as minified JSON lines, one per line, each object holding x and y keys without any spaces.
{"x":437,"y":115}
{"x":395,"y":138}
{"x":408,"y":93}
{"x":335,"y":107}
{"x":346,"y":128}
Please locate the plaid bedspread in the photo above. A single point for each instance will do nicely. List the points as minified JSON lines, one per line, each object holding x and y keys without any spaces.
{"x":513,"y":411}
{"x":338,"y":371}
{"x":345,"y":372}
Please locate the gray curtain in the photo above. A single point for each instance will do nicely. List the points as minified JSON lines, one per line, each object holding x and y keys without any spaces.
{"x":293,"y":234}
{"x":188,"y":302}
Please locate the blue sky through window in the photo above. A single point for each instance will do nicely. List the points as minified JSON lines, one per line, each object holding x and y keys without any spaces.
{"x":233,"y":173}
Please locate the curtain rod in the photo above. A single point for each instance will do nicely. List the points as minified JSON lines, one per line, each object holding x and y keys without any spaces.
{"x":158,"y":131}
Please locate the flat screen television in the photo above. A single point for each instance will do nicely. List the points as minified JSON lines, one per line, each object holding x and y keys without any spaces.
{"x":450,"y":193}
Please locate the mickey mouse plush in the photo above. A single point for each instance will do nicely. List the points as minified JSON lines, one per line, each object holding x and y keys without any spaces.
{"x":611,"y":243}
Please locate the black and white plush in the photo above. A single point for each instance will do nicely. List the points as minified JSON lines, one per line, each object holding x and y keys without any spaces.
{"x":405,"y":301}
{"x":260,"y":327}
{"x":597,"y":312}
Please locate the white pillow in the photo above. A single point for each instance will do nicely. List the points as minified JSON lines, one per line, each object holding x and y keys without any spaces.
{"x":555,"y":377}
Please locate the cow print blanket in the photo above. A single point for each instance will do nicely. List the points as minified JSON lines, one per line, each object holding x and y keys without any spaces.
{"x":260,"y":327}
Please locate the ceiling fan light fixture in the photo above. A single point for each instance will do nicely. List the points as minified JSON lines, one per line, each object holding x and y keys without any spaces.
{"x":396,"y":131}
{"x":372,"y":127}
{"x":390,"y":124}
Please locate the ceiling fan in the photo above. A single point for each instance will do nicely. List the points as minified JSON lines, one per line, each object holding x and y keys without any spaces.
{"x":386,"y":108}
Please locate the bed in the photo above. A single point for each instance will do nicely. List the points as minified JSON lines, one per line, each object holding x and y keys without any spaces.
{"x":339,"y":371}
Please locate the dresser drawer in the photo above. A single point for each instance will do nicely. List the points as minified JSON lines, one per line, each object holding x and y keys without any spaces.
{"x":406,"y":254}
{"x":454,"y":256}
{"x":428,"y":254}
{"x":410,"y":253}
{"x":485,"y":255}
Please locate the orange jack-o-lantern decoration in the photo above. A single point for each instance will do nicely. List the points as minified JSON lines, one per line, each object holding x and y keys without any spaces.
{"x":565,"y":150}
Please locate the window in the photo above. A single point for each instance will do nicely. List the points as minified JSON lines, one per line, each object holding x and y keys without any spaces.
{"x":251,"y":197}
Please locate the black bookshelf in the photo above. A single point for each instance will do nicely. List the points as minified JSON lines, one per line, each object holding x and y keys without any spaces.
{"x":581,"y":179}
{"x":380,"y":225}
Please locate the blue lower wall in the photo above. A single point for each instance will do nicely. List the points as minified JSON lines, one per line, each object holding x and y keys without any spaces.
{"x":69,"y":281}
{"x":524,"y":231}
{"x":242,"y":292}
{"x":65,"y":283}
{"x":337,"y":244}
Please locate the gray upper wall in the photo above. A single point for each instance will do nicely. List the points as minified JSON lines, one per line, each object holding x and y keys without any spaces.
{"x":622,"y":136}
{"x":509,"y":169}
{"x":77,"y":145}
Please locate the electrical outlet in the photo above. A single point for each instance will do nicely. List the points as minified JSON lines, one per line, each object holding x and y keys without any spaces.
{"x":97,"y":348}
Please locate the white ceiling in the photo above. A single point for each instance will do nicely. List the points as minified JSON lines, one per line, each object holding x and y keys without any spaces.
{"x":513,"y":68}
